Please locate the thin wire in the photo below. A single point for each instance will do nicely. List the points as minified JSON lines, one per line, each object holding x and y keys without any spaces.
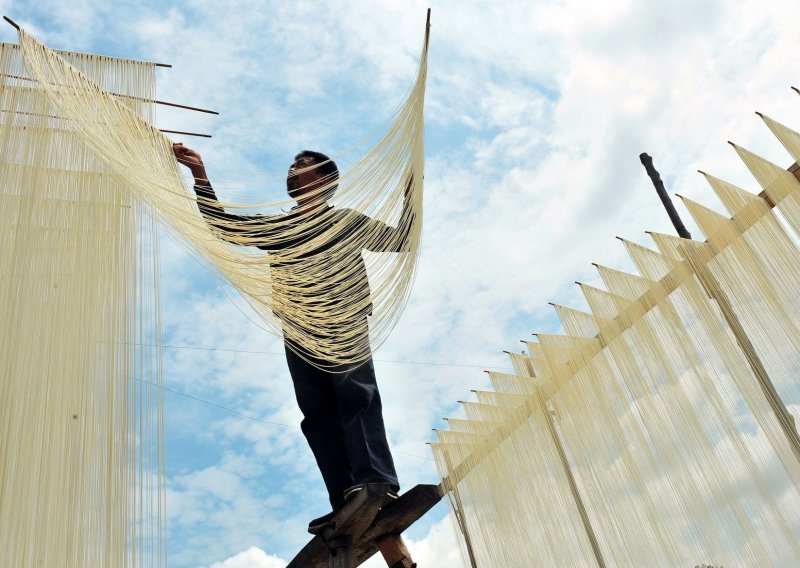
{"x":208,"y":402}
{"x":431,"y":363}
{"x":243,"y":415}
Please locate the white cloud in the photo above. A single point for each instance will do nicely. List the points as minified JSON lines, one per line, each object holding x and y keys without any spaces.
{"x":536,"y":114}
{"x":438,"y":548}
{"x":251,"y":558}
{"x":550,"y":106}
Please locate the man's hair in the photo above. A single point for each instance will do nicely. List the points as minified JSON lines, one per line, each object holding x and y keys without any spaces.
{"x":327,"y":166}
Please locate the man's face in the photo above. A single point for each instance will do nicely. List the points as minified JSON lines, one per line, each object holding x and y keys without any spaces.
{"x":301,"y":180}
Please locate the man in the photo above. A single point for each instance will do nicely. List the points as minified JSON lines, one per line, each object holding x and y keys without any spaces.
{"x":342,"y":410}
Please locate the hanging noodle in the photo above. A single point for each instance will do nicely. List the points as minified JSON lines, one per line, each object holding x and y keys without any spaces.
{"x":310,"y":284}
{"x":85,"y":175}
{"x":81,"y":423}
{"x":654,"y":432}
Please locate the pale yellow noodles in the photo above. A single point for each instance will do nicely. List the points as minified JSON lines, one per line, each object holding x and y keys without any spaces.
{"x":84,"y":176}
{"x":654,"y":431}
{"x":310,"y":286}
{"x":81,"y":423}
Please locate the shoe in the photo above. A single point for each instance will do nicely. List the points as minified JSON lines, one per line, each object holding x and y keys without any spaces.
{"x":316,"y":526}
{"x":350,"y":492}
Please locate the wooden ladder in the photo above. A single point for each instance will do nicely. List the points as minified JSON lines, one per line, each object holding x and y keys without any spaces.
{"x":366,"y":526}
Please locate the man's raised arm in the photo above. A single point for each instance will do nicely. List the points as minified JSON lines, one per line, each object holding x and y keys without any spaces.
{"x":247,"y":230}
{"x":384,"y":238}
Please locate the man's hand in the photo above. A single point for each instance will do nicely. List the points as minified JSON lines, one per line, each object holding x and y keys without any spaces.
{"x":192,"y":160}
{"x":186,"y":156}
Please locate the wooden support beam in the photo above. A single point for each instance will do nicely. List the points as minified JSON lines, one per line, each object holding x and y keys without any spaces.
{"x":340,"y":552}
{"x":391,"y":520}
{"x":395,"y":553}
{"x":120,"y":95}
{"x":61,"y":118}
{"x":12,"y":22}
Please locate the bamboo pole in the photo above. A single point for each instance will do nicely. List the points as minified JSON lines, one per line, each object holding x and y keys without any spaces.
{"x":458,"y":510}
{"x":156,"y":101}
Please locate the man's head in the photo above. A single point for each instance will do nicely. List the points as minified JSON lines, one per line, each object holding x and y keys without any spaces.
{"x":309,"y":172}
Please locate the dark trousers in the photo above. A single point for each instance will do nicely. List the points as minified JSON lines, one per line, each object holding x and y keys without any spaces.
{"x":343,"y":423}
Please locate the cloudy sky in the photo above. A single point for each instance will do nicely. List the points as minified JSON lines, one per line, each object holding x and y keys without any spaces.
{"x":536,"y":114}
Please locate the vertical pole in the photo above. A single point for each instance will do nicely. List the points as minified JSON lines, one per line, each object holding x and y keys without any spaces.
{"x":716,"y":293}
{"x":587,"y":525}
{"x":573,"y":486}
{"x":395,"y":552}
{"x":458,"y":509}
{"x":340,"y":553}
{"x":647,"y":162}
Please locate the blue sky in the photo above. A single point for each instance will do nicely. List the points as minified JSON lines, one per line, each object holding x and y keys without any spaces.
{"x":536,"y":114}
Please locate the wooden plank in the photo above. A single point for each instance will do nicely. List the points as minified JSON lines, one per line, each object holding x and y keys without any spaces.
{"x":351,"y":522}
{"x":358,"y":513}
{"x":340,"y":552}
{"x":394,"y":552}
{"x":313,"y":555}
{"x":395,"y":518}
{"x":392,"y":519}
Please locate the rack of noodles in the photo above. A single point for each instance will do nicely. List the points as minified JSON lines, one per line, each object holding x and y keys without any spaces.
{"x":81,"y":422}
{"x":659,"y":429}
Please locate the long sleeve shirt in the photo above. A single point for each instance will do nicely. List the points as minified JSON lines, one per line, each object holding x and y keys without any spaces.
{"x":316,"y":267}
